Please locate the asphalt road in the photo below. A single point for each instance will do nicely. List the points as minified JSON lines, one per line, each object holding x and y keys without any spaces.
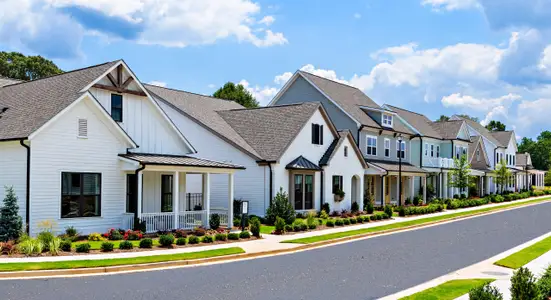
{"x":366,"y":269}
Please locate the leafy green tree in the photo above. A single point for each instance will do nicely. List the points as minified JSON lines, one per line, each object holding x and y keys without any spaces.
{"x":18,"y":66}
{"x":495,"y":126}
{"x":503,"y":174}
{"x":547,"y":178}
{"x":10,"y":221}
{"x":237,"y":93}
{"x":460,"y":175}
{"x":443,"y":118}
{"x":539,"y":150}
{"x":469,"y":117}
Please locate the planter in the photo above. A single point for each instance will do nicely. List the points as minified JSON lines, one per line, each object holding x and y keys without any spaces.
{"x":338,"y":198}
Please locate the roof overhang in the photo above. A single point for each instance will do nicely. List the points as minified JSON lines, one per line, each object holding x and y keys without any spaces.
{"x":164,"y":162}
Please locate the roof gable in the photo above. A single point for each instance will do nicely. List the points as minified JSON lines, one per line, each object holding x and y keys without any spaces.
{"x":505,"y":138}
{"x":478,"y":145}
{"x":335,"y":146}
{"x":419,"y":122}
{"x":480,"y":129}
{"x":450,"y":130}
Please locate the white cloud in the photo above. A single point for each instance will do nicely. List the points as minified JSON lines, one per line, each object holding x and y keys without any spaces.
{"x":478,"y":104}
{"x":496,"y":113}
{"x":283,"y":78}
{"x":267,"y":20}
{"x":534,"y":114}
{"x":329,"y":74}
{"x":438,"y":5}
{"x":158,"y":83}
{"x":357,"y":16}
{"x":211,"y":86}
{"x":406,"y":49}
{"x":262,"y":94}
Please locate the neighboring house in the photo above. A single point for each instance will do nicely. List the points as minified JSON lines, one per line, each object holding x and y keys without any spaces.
{"x":90,"y":148}
{"x":480,"y":165}
{"x":527,"y":175}
{"x":384,"y":139}
{"x":434,"y":148}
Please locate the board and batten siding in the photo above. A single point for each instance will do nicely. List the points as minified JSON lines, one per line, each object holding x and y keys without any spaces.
{"x":249,"y":184}
{"x":57,"y":149}
{"x":13,"y":170}
{"x":145,"y":124}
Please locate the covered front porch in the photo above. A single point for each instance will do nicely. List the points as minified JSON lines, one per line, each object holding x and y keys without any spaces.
{"x":176,"y":192}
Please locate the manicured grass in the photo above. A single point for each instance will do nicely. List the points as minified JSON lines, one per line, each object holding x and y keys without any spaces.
{"x":79,"y":264}
{"x":266,"y":229}
{"x":96,"y":245}
{"x":331,"y":236}
{"x":448,"y":290}
{"x":526,"y":255}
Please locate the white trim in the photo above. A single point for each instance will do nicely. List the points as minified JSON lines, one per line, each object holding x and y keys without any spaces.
{"x":390,"y":119}
{"x":389,"y":147}
{"x":367,"y":137}
{"x":101,"y":109}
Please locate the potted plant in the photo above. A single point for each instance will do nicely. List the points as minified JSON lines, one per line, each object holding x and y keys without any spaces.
{"x":339,"y":195}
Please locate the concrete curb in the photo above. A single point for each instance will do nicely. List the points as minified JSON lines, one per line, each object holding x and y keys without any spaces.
{"x":234,"y":257}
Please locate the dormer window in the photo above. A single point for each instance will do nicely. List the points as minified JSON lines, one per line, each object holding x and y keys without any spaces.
{"x":387,"y":120}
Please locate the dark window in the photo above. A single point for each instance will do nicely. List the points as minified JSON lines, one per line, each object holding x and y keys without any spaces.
{"x":116,"y":107}
{"x":299,"y":192}
{"x":345,"y":151}
{"x":166,"y":193}
{"x":337,"y":183}
{"x":80,"y":195}
{"x":131,"y":193}
{"x":317,"y":134}
{"x":309,"y":192}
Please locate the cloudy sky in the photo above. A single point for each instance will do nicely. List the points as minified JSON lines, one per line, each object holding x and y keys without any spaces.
{"x":487,"y":58}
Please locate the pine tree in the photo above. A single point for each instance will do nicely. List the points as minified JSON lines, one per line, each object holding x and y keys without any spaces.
{"x":10,"y":221}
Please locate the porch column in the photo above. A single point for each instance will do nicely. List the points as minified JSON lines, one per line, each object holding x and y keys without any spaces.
{"x":230,"y":200}
{"x":487,"y":185}
{"x":481,"y":187}
{"x":440,"y":191}
{"x":140,"y":194}
{"x":412,"y":187}
{"x":383,"y":179}
{"x":176,"y":197}
{"x":206,"y":196}
{"x":424,"y":189}
{"x":445,"y":183}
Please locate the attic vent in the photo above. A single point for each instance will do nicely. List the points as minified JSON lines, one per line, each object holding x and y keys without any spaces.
{"x":82,"y":128}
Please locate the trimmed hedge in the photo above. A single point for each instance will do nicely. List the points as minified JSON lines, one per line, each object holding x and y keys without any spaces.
{"x":421,"y":210}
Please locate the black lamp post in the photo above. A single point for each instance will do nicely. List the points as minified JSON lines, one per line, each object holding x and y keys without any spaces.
{"x":400,"y":170}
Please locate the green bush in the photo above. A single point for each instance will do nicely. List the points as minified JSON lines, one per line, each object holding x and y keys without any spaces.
{"x":366,"y":219}
{"x":330,"y":223}
{"x":485,"y":292}
{"x":359,"y":219}
{"x":208,"y":239}
{"x":65,"y":245}
{"x":339,"y":222}
{"x":369,"y":207}
{"x":281,"y":207}
{"x":379,"y":217}
{"x":323,"y":215}
{"x":221,"y":237}
{"x":181,"y":241}
{"x":71,"y":231}
{"x":523,"y":285}
{"x":233,"y":236}
{"x":373,"y":217}
{"x":353,"y":221}
{"x":244,"y":235}
{"x":311,"y":221}
{"x":288,"y":228}
{"x":408,"y":201}
{"x":45,"y":237}
{"x":126,"y":245}
{"x":83,"y":248}
{"x":355,"y":207}
{"x":214,"y":221}
{"x":312,"y":227}
{"x":325,"y":207}
{"x":166,"y":240}
{"x":279,"y":225}
{"x":11,"y":224}
{"x":417,"y":200}
{"x":299,"y":225}
{"x":401,"y":211}
{"x":30,"y":246}
{"x":254,"y":226}
{"x":193,"y":239}
{"x":146,"y":243}
{"x":107,"y":247}
{"x":544,"y":284}
{"x":346,"y":221}
{"x":388,"y":210}
{"x":498,"y":199}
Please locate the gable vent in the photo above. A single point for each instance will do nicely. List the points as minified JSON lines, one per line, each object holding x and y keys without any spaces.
{"x":82,"y":128}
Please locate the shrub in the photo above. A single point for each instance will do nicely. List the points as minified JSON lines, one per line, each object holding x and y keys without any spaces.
{"x":485,"y":292}
{"x":417,"y":200}
{"x":193,"y":240}
{"x":330,"y":223}
{"x":388,"y":210}
{"x":311,"y":219}
{"x":355,"y":207}
{"x":288,"y":228}
{"x":233,"y":236}
{"x":166,"y":240}
{"x":214,"y":221}
{"x":54,"y":246}
{"x":373,"y":217}
{"x":323,"y":215}
{"x":199,"y":231}
{"x":366,"y":219}
{"x":456,"y":196}
{"x":385,"y":216}
{"x":179,"y":233}
{"x":244,"y":235}
{"x":255,"y":227}
{"x":346,"y":221}
{"x":146,"y":243}
{"x":124,"y":245}
{"x":11,"y":223}
{"x":544,"y":284}
{"x":107,"y":247}
{"x":353,"y":220}
{"x":83,"y":248}
{"x":297,"y":225}
{"x":326,"y":208}
{"x":279,"y":225}
{"x":523,"y":285}
{"x":208,"y":239}
{"x":65,"y":245}
{"x":498,"y":199}
{"x":401,"y":211}
{"x":113,"y":235}
{"x":379,"y":217}
{"x":30,"y":247}
{"x":132,"y":235}
{"x":71,"y":231}
{"x":45,"y":237}
{"x":359,"y":219}
{"x":408,"y":201}
{"x":281,"y":207}
{"x":369,"y":207}
{"x":221,"y":236}
{"x":339,"y":222}
{"x":237,"y":221}
{"x":95,"y":237}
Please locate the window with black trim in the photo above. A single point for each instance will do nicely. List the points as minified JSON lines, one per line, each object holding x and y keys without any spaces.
{"x":337,"y":183}
{"x":116,"y":107}
{"x":80,"y":195}
{"x":387,"y":147}
{"x":371,"y":145}
{"x":317,"y":134}
{"x":345,"y":151}
{"x":166,"y":193}
{"x":303,"y":186}
{"x":431,"y":150}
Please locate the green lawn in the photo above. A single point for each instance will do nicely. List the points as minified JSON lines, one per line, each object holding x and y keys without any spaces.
{"x":331,"y":236}
{"x":448,"y":290}
{"x":526,"y":255}
{"x":266,"y":229}
{"x":78,"y":264}
{"x":97,"y":245}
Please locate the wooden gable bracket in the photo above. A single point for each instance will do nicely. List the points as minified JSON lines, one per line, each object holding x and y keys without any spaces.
{"x":117,"y":85}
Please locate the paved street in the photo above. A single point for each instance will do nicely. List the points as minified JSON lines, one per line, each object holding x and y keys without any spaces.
{"x":365,"y":269}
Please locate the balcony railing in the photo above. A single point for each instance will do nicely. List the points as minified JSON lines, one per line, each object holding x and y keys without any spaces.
{"x":438,"y":162}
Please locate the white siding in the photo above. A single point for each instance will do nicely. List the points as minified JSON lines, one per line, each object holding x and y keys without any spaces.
{"x":145,"y":124}
{"x":13,"y":170}
{"x":250,"y":184}
{"x":57,"y":149}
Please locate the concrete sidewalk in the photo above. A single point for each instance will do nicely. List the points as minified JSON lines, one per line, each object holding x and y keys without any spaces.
{"x":267,"y":243}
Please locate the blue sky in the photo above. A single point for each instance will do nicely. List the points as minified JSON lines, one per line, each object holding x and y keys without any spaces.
{"x":487,"y":58}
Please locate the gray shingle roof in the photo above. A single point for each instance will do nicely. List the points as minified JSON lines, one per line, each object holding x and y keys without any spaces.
{"x":448,"y":129}
{"x":270,"y":130}
{"x":418,"y":121}
{"x":203,"y":110}
{"x":347,"y":97}
{"x":521,"y":159}
{"x":301,"y":163}
{"x":176,"y":160}
{"x":472,"y":148}
{"x":7,"y":81}
{"x":481,"y":130}
{"x":32,"y":103}
{"x":393,"y":166}
{"x":503,"y":137}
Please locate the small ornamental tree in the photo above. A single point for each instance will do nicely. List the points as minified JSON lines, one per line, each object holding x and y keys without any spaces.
{"x":547,"y":178}
{"x":503,"y":175}
{"x":460,"y":176}
{"x":10,"y":221}
{"x":280,"y":207}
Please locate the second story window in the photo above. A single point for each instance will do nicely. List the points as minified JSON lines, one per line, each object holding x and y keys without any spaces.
{"x":317,"y":134}
{"x":463,"y":150}
{"x":387,"y":120}
{"x":116,"y":107}
{"x":401,"y":149}
{"x":345,"y":151}
{"x":371,"y":145}
{"x":387,"y":147}
{"x":437,"y":151}
{"x":426,"y":149}
{"x":431,"y":150}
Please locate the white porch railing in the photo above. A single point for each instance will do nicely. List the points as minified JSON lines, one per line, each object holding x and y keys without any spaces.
{"x":127,"y":221}
{"x":192,"y":219}
{"x":438,"y":162}
{"x":158,"y":221}
{"x":186,"y":219}
{"x":223,"y":213}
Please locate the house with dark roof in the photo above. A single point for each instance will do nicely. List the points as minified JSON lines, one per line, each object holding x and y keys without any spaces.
{"x":383,"y":138}
{"x":293,"y":148}
{"x":91,"y":148}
